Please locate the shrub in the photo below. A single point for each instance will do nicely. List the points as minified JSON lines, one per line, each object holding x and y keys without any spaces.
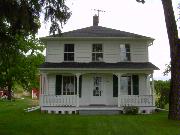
{"x":133,"y":110}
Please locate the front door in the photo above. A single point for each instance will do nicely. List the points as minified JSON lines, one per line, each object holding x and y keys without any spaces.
{"x":97,"y":91}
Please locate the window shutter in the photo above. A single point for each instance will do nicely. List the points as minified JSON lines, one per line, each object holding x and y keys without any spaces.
{"x":58,"y":84}
{"x":115,"y":86}
{"x":75,"y":85}
{"x":129,"y":85}
{"x":135,"y":79}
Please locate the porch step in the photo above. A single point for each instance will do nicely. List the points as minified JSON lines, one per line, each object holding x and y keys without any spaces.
{"x":99,"y":112}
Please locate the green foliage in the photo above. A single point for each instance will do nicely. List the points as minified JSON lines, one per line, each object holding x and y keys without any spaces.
{"x":162,"y":89}
{"x":30,"y":71}
{"x":22,"y":16}
{"x":133,"y":110}
{"x":17,"y":88}
{"x":20,"y":51}
{"x":168,"y":69}
{"x":20,"y":64}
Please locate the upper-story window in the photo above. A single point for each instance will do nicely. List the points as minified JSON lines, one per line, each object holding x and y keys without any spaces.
{"x":125,"y":53}
{"x":69,"y":52}
{"x":97,"y":53}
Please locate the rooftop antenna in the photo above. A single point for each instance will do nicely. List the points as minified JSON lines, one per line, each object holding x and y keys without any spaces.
{"x":98,"y":10}
{"x":96,"y":17}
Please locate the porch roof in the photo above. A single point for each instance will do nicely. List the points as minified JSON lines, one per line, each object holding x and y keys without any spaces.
{"x":100,"y":65}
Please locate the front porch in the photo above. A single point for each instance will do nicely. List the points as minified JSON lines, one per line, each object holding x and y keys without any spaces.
{"x":96,"y":92}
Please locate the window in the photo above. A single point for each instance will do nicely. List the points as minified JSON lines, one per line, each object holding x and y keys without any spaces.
{"x":126,"y":85}
{"x":97,"y":53}
{"x":68,"y":85}
{"x":130,"y":85}
{"x":97,"y":86}
{"x":65,"y":85}
{"x":69,"y":52}
{"x":125,"y":54}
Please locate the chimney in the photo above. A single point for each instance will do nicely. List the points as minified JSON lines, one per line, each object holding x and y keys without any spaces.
{"x":95,"y":20}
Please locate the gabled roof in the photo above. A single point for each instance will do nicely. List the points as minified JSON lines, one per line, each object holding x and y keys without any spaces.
{"x":99,"y":31}
{"x":100,"y":65}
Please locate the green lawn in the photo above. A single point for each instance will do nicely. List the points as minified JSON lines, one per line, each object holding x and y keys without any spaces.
{"x":14,"y":121}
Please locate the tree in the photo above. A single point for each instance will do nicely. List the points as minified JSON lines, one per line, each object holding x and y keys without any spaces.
{"x":174,"y":42}
{"x":30,"y":77}
{"x":162,"y":93}
{"x":167,"y":70}
{"x":19,"y":22}
{"x":21,"y":65}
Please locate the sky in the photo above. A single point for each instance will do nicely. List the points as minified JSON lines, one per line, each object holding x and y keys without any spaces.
{"x":126,"y":15}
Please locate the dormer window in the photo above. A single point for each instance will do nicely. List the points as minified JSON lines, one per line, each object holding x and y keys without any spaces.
{"x":69,"y":52}
{"x":125,"y":54}
{"x":97,"y":53}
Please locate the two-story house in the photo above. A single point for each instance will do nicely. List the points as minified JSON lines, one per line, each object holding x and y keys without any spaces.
{"x":96,"y":69}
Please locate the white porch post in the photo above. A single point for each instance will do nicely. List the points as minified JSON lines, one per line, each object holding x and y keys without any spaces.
{"x":44,"y":86}
{"x":119,"y":87}
{"x":44,"y":90}
{"x":77,"y":99}
{"x":41,"y":83}
{"x":153,"y":91}
{"x":40,"y":94}
{"x":148,"y":86}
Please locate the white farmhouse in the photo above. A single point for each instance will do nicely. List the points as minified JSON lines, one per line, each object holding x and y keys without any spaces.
{"x":96,"y":70}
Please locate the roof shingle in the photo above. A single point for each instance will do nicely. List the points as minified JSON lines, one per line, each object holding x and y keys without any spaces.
{"x":98,"y":31}
{"x":100,"y":65}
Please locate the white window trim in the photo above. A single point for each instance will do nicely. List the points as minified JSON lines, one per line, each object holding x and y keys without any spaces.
{"x":100,"y":86}
{"x":69,"y":52}
{"x":125,"y":52}
{"x":97,"y":52}
{"x":63,"y":84}
{"x":131,"y":83}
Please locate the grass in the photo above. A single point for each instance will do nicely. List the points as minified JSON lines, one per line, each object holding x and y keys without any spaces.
{"x":14,"y":121}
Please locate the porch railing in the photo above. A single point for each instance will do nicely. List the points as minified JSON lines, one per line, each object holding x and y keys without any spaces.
{"x":58,"y":100}
{"x":136,"y":100}
{"x":71,"y":100}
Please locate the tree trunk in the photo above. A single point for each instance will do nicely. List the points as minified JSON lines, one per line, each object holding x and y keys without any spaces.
{"x":174,"y":95}
{"x":9,"y":91}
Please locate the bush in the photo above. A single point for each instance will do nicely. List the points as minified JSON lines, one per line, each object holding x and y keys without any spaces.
{"x":133,"y":110}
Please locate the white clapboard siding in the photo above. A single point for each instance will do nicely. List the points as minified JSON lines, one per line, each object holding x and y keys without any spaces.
{"x":108,"y":90}
{"x":86,"y":91}
{"x":111,"y":52}
{"x":83,"y":52}
{"x":51,"y":84}
{"x":139,"y":52}
{"x":54,"y":51}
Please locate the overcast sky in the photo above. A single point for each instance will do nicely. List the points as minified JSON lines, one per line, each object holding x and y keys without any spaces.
{"x":126,"y":15}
